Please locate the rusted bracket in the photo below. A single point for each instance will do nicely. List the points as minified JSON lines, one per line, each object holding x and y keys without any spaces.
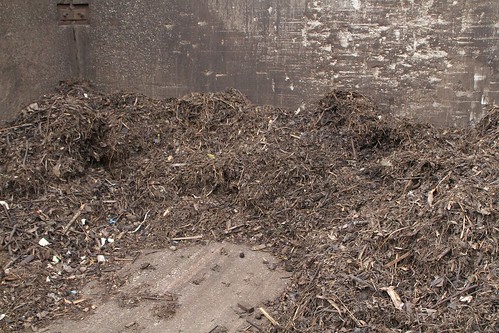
{"x":69,"y":14}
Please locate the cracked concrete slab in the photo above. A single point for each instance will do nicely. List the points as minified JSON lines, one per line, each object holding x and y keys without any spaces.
{"x":210,"y":288}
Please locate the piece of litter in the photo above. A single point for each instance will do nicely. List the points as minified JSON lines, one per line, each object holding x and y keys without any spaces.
{"x":2,"y":316}
{"x":55,"y":260}
{"x":5,"y":204}
{"x":430,"y":197}
{"x":43,"y":242}
{"x":386,"y":163}
{"x":466,"y":299}
{"x":101,"y":258}
{"x":394,"y":297}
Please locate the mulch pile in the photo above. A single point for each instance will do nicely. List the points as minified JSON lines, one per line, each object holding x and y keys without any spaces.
{"x":385,"y":225}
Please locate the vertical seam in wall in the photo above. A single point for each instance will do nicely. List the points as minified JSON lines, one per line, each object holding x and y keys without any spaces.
{"x":77,"y":53}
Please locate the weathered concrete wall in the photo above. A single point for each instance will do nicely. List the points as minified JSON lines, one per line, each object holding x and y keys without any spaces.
{"x":35,"y":53}
{"x":435,"y":60}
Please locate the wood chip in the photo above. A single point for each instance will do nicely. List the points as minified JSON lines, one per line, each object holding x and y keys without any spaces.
{"x":399,"y":305}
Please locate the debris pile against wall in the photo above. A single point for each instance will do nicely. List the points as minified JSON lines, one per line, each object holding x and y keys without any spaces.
{"x":383,"y":224}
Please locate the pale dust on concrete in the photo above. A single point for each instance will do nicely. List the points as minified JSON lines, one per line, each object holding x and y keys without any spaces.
{"x":209,"y":282}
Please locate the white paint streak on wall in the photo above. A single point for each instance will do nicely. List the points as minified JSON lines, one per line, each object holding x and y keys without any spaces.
{"x":327,"y":48}
{"x":421,"y":51}
{"x":477,"y":79}
{"x":397,"y":34}
{"x":485,"y":97}
{"x":345,"y":38}
{"x":429,"y":54}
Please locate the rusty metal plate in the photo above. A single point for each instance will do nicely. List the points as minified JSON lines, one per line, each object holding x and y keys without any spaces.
{"x":73,"y":14}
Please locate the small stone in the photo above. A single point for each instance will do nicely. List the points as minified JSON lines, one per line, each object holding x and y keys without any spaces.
{"x":241,"y":255}
{"x":173,"y":248}
{"x":258,"y":316}
{"x":246,"y":307}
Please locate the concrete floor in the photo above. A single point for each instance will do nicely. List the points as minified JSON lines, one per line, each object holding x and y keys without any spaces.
{"x":198,"y":289}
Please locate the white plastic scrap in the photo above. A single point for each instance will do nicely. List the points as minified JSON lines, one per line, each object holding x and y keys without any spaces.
{"x":5,"y":204}
{"x":101,"y":258}
{"x":43,"y":242}
{"x":466,"y":299}
{"x":2,"y":316}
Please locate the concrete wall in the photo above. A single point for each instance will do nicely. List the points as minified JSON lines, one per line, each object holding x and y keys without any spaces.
{"x":35,"y":53}
{"x":434,"y":60}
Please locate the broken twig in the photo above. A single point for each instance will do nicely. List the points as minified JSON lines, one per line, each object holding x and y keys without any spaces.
{"x":269,"y":317}
{"x":76,"y":215}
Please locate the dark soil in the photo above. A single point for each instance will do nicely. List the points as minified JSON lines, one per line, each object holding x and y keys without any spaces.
{"x":385,"y":225}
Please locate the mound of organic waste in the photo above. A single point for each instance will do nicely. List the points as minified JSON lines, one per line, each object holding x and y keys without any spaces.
{"x":384,"y":225}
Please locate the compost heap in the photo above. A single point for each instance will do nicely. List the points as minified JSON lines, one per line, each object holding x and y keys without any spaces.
{"x":384,"y":225}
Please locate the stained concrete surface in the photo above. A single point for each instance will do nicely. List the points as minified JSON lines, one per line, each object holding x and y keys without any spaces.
{"x":433,"y":60}
{"x":35,"y":53}
{"x":209,"y":281}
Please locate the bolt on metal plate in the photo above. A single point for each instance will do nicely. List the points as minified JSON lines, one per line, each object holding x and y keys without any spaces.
{"x":72,"y":14}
